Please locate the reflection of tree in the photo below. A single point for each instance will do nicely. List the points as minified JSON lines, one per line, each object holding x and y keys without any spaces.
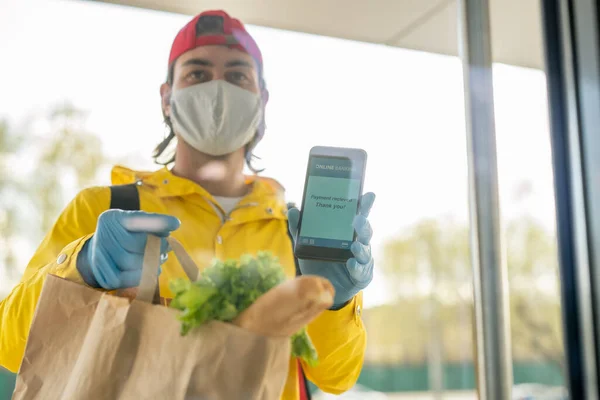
{"x":66,"y":154}
{"x":535,"y":306}
{"x":432,"y":257}
{"x":9,"y":189}
{"x":537,"y":331}
{"x":429,"y":269}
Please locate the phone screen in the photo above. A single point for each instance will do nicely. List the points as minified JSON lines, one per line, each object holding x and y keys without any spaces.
{"x":330,"y":202}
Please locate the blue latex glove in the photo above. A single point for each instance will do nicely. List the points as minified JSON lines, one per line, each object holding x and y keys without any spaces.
{"x":353,"y":276}
{"x":113,"y":257}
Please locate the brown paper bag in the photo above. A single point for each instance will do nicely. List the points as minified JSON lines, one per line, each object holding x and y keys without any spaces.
{"x":85,"y":344}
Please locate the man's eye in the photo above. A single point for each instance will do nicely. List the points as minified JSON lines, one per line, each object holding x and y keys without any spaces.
{"x":237,"y":77}
{"x":196,"y":76}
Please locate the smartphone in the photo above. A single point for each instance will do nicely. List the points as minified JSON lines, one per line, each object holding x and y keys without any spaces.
{"x":332,"y":190}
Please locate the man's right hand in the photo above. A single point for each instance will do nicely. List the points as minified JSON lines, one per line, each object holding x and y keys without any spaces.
{"x":113,"y":257}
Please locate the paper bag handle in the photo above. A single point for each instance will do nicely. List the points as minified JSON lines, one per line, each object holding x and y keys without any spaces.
{"x":189,"y":266}
{"x":149,"y":280}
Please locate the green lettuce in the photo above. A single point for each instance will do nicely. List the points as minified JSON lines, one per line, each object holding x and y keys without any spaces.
{"x":226,"y":288}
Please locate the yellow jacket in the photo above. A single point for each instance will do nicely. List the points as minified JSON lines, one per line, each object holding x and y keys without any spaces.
{"x":258,"y":223}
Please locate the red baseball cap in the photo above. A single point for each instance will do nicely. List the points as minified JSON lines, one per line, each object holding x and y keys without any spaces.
{"x":214,"y":28}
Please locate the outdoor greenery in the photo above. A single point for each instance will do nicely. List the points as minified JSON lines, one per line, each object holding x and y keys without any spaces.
{"x":39,"y":161}
{"x":431,"y":321}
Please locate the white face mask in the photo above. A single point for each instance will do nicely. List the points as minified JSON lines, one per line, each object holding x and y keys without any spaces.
{"x":216,"y":117}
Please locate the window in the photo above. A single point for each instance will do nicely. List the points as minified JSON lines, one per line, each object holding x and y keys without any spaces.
{"x":91,"y":93}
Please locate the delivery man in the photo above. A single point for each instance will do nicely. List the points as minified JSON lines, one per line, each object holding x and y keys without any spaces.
{"x":213,"y":102}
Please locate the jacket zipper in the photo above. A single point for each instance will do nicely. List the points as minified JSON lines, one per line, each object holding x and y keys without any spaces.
{"x":225,"y":217}
{"x":228,"y":215}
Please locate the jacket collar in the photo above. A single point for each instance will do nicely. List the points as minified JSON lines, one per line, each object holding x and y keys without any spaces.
{"x":267,"y":194}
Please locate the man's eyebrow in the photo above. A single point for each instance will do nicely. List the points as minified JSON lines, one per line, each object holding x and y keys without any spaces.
{"x":239,"y":63}
{"x":198,"y":61}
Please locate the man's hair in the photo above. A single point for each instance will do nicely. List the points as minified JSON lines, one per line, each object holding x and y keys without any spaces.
{"x":162,"y":147}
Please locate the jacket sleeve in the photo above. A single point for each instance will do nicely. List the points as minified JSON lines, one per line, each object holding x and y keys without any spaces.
{"x":340,"y":339}
{"x":57,"y":255}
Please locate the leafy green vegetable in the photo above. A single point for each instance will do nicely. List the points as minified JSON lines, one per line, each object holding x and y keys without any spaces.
{"x":225,"y":289}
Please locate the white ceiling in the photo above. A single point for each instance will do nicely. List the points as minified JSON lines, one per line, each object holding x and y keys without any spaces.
{"x":427,"y":25}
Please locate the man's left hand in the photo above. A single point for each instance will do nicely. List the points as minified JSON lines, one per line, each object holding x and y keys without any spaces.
{"x":353,"y":276}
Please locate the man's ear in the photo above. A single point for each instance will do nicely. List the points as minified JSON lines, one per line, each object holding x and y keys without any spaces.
{"x":165,"y":99}
{"x":264,"y":93}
